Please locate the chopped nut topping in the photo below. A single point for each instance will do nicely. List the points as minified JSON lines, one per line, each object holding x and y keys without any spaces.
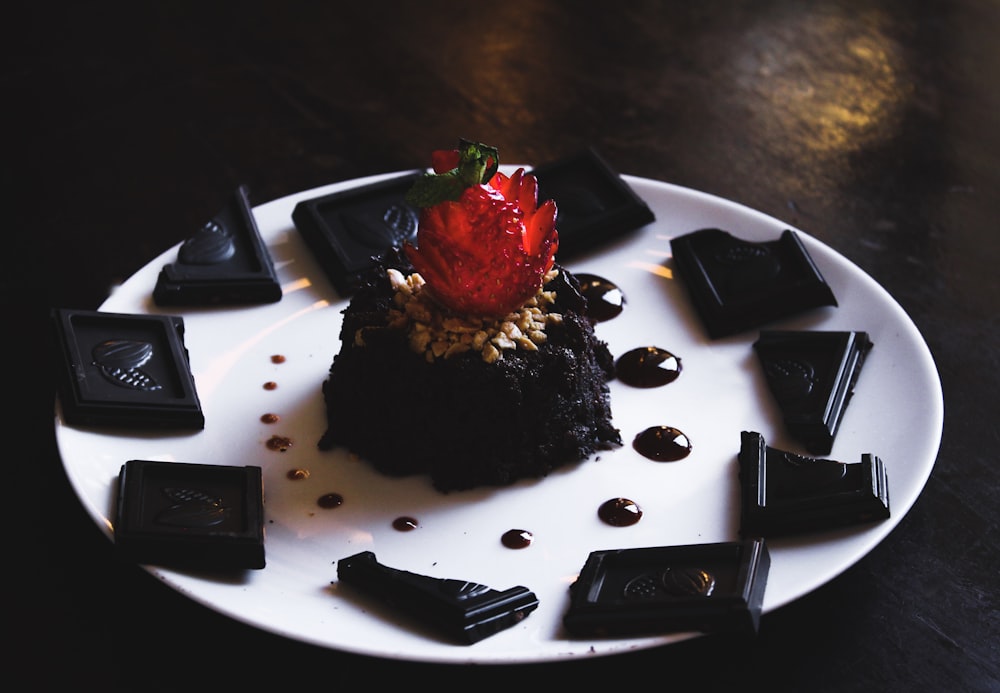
{"x":436,"y":334}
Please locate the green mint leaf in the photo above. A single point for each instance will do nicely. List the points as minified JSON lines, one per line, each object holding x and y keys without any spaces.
{"x":477,"y":164}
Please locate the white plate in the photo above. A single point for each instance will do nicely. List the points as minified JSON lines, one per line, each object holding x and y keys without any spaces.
{"x":896,"y":413}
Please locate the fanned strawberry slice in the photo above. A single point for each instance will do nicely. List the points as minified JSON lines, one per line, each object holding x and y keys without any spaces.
{"x":483,"y":243}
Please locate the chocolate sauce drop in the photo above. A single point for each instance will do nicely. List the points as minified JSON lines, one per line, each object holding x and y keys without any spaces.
{"x":330,"y":500}
{"x":298,"y":474}
{"x":604,"y":299}
{"x":662,"y":444}
{"x":270,"y":418}
{"x":279,"y":443}
{"x":516,"y":538}
{"x":277,"y":358}
{"x":619,"y":512}
{"x":270,"y":385}
{"x":404,"y":524}
{"x":647,"y":367}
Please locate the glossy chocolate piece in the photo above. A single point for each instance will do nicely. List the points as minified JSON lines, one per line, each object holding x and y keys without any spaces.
{"x":705,"y":588}
{"x":783,"y":493}
{"x":349,"y":231}
{"x":188,"y":515}
{"x":465,"y":612}
{"x":224,"y":263}
{"x":594,"y":204}
{"x":116,"y":369}
{"x":736,"y":284}
{"x":812,"y":377}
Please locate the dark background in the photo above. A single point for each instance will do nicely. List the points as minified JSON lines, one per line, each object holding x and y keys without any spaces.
{"x":869,"y":124}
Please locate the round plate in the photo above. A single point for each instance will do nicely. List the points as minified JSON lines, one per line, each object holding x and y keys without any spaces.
{"x":896,"y":413}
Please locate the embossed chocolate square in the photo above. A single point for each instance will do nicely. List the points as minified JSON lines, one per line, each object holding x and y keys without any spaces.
{"x":198,"y":516}
{"x":225,"y":262}
{"x":705,"y":588}
{"x":812,"y":375}
{"x":465,"y":612}
{"x":735,"y":284}
{"x":129,"y":370}
{"x":594,"y":204}
{"x":783,"y":493}
{"x":349,"y":231}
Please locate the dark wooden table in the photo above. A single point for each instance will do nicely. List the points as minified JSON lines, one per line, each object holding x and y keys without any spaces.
{"x":869,"y":124}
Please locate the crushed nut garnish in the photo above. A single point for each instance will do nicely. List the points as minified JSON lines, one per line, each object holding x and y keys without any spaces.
{"x":436,"y":334}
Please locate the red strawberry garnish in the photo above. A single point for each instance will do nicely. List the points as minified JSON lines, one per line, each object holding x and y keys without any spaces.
{"x":484,"y":245}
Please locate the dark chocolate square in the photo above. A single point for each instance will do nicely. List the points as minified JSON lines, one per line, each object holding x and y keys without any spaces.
{"x":706,"y":588}
{"x":224,"y":263}
{"x":594,"y":204}
{"x":198,"y":516}
{"x":349,"y":231}
{"x":465,"y":612}
{"x":783,"y":493}
{"x":117,"y":369}
{"x":812,"y":377}
{"x":736,"y":284}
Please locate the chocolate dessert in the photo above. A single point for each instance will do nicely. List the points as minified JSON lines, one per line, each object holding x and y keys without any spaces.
{"x":470,"y":357}
{"x":125,"y":370}
{"x":351,"y":229}
{"x":468,"y":419}
{"x":736,"y":285}
{"x":462,"y":611}
{"x":783,"y":493}
{"x":596,"y":204}
{"x":225,"y":262}
{"x":812,"y":375}
{"x":707,"y":588}
{"x":191,"y":515}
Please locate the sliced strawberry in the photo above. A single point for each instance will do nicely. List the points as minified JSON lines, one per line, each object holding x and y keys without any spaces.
{"x":444,"y":160}
{"x":485,"y":252}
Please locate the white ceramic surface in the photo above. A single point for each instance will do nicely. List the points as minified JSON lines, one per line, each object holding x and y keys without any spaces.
{"x":896,"y":413}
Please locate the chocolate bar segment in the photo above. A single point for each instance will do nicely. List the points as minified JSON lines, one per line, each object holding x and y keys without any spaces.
{"x":736,"y":284}
{"x":812,"y":377}
{"x":197,"y":516}
{"x":594,"y":204}
{"x":465,"y":612}
{"x":224,"y":263}
{"x":117,"y":369}
{"x":349,"y":231}
{"x":783,"y":493}
{"x":706,"y":588}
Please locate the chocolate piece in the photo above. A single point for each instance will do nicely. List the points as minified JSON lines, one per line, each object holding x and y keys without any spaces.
{"x":668,"y":589}
{"x":190,"y":515}
{"x":594,"y":204}
{"x":224,"y":263}
{"x":465,"y":612}
{"x":783,"y":493}
{"x":350,"y":231}
{"x":117,"y":369}
{"x":812,"y":377}
{"x":736,"y":284}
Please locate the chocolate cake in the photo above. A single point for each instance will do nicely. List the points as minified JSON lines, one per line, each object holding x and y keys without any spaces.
{"x":469,"y":407}
{"x":466,"y":352}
